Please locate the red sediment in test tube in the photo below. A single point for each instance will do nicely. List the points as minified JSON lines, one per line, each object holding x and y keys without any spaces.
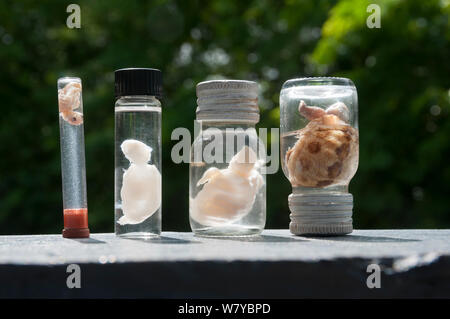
{"x":76,"y":223}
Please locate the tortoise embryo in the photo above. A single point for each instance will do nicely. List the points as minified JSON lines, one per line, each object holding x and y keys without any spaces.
{"x":326,"y":152}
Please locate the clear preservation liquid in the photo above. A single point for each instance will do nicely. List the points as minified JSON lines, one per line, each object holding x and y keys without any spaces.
{"x":138,"y":119}
{"x":73,"y":167}
{"x":292,"y":123}
{"x":226,"y":223}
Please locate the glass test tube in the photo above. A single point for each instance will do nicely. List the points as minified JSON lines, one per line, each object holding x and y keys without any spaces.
{"x":73,"y":168}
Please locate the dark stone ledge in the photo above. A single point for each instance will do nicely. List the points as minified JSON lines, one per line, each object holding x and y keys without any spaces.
{"x":414,"y":263}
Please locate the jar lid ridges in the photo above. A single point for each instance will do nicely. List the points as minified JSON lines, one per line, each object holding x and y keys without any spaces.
{"x":228,"y":100}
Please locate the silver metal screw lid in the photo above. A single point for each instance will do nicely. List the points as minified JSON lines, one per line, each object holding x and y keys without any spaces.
{"x":321,"y":214}
{"x":228,"y":100}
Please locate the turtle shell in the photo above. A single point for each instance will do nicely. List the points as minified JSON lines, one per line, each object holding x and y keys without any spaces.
{"x":323,"y":155}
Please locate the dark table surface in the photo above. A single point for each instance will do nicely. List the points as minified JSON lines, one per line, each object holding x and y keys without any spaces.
{"x":412,"y":263}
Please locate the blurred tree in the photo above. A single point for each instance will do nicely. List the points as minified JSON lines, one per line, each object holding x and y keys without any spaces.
{"x":401,"y":72}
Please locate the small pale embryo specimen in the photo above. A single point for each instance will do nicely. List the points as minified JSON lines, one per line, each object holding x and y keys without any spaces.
{"x":69,"y":99}
{"x":228,"y":194}
{"x":141,"y":186}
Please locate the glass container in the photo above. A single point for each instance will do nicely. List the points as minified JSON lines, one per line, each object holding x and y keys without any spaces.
{"x":137,"y":173}
{"x":73,"y":168}
{"x":319,"y":152}
{"x":227,"y":194}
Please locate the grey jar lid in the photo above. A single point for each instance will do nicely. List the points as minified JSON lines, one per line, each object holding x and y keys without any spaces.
{"x":228,"y":100}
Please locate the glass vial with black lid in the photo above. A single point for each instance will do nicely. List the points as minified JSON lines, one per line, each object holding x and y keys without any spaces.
{"x":137,"y":180}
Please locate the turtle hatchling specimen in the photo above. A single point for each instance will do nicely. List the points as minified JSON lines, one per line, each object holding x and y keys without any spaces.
{"x":326,"y":152}
{"x":69,"y":99}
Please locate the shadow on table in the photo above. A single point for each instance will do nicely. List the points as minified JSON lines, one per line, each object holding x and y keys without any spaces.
{"x":264,"y":239}
{"x":367,"y":239}
{"x":88,"y":240}
{"x":164,"y":240}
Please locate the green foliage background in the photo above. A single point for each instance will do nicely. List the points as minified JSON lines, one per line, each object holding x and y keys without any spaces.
{"x":401,"y":72}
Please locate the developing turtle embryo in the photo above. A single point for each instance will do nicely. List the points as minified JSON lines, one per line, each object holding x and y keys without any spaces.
{"x":141,"y":185}
{"x":326,"y":151}
{"x":228,"y":194}
{"x":69,"y":100}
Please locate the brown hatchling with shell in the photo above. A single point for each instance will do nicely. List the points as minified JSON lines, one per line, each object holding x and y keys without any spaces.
{"x":326,"y":152}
